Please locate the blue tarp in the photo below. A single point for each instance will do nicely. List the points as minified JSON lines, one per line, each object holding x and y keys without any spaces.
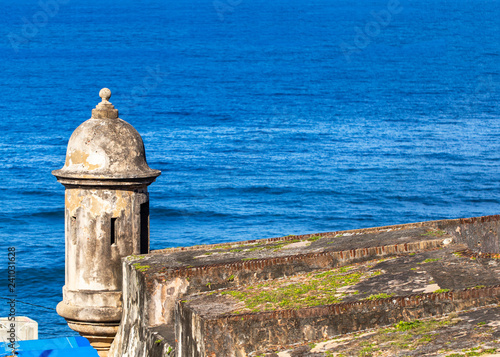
{"x":56,"y":347}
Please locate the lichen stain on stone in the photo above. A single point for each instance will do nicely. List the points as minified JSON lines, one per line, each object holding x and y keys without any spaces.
{"x":74,"y":200}
{"x":122,"y":205}
{"x":96,"y":204}
{"x":174,"y":288}
{"x":92,"y":161}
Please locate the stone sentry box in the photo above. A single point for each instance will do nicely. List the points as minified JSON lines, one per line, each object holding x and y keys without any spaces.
{"x":106,"y":218}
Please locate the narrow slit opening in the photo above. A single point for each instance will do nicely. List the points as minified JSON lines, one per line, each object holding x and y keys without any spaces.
{"x":113,"y":231}
{"x":144,"y":239}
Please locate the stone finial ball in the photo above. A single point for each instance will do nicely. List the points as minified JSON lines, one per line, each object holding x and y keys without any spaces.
{"x":105,"y":94}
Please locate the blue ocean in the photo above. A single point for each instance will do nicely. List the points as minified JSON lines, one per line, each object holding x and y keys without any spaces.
{"x":266,"y":118}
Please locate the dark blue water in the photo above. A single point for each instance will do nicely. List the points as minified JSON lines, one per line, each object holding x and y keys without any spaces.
{"x":267,"y":118}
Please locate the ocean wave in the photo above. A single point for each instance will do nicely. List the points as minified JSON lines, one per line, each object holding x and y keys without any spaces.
{"x":49,"y":214}
{"x":204,"y":214}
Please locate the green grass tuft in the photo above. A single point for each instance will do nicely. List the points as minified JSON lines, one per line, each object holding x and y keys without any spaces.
{"x":439,"y":291}
{"x":313,"y":238}
{"x":379,"y":296}
{"x":429,"y":260}
{"x":434,"y":233}
{"x":141,"y":268}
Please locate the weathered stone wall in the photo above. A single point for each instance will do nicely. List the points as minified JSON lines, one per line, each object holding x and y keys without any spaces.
{"x":134,"y":337}
{"x":154,"y":321}
{"x":238,"y":335}
{"x":97,"y":213}
{"x":481,"y":234}
{"x":102,"y":226}
{"x":152,"y":289}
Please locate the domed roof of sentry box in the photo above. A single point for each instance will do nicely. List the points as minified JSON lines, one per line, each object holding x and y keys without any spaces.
{"x":106,"y":148}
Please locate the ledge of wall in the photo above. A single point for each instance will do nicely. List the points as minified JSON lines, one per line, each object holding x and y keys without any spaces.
{"x":155,"y":285}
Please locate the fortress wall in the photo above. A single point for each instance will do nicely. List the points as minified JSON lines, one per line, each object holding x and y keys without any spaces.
{"x":134,"y":338}
{"x":237,"y":335}
{"x":480,"y":234}
{"x":155,"y":323}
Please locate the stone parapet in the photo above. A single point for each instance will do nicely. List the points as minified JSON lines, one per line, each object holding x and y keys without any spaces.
{"x":185,"y":298}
